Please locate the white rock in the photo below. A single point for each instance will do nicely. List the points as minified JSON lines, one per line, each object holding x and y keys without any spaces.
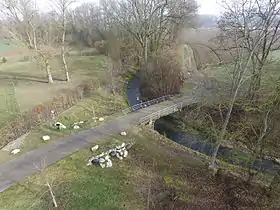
{"x":109,"y":163}
{"x":15,"y":151}
{"x":123,"y":133}
{"x":76,"y":127}
{"x":102,"y":165}
{"x":101,"y":119}
{"x":46,"y":138}
{"x":125,"y":153}
{"x":123,"y":145}
{"x":81,"y":122}
{"x":94,"y":148}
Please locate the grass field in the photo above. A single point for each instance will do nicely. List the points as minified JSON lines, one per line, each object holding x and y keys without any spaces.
{"x":156,"y":170}
{"x":29,"y":84}
{"x":103,"y":104}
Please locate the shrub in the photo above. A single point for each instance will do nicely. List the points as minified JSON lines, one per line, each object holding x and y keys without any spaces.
{"x":163,"y":75}
{"x":101,"y":46}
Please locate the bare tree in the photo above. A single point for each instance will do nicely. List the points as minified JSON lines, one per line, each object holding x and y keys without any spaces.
{"x":240,"y":71}
{"x":88,"y":24}
{"x":151,"y":24}
{"x":251,"y":19}
{"x":41,"y":168}
{"x":62,"y":7}
{"x":26,"y":25}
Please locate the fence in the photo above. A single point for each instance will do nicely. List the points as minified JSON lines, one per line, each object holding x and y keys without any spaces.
{"x":146,"y":104}
{"x":163,"y":112}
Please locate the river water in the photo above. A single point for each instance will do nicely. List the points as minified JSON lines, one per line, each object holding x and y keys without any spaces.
{"x":196,"y":142}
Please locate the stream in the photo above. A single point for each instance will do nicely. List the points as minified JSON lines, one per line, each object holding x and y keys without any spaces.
{"x":197,"y":142}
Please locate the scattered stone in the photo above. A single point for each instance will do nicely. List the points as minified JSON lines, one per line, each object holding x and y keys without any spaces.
{"x":81,"y":122}
{"x":94,"y":148}
{"x":46,"y":138}
{"x":60,"y":126}
{"x":15,"y":151}
{"x":76,"y":127}
{"x":104,"y":160}
{"x":125,"y":153}
{"x":123,"y":133}
{"x":101,"y":119}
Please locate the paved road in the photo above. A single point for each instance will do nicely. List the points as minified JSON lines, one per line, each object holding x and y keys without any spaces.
{"x":20,"y":167}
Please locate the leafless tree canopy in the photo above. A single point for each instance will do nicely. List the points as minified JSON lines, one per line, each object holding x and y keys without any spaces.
{"x":249,"y":19}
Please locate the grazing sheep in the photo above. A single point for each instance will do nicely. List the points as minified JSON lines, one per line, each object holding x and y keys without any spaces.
{"x":60,"y":126}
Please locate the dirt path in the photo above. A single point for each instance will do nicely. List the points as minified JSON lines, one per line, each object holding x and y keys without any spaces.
{"x":20,"y":167}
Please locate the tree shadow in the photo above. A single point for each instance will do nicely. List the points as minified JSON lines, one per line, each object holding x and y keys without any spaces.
{"x":6,"y":76}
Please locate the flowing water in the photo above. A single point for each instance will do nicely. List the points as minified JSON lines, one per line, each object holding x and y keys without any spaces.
{"x":197,"y":143}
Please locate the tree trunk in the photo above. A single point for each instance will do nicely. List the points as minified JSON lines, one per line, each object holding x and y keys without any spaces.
{"x":224,"y":128}
{"x":146,"y":50}
{"x":255,"y":84}
{"x":29,"y":40}
{"x":67,"y":78}
{"x":48,"y":71}
{"x":35,"y":39}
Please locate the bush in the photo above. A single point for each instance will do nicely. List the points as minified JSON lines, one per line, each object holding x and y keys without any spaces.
{"x":101,"y":46}
{"x":163,"y":75}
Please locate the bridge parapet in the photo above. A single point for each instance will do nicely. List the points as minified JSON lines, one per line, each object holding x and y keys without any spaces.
{"x":161,"y":113}
{"x":146,"y":104}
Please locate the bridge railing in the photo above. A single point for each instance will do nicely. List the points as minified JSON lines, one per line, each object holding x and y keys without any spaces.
{"x":163,"y":112}
{"x":146,"y":104}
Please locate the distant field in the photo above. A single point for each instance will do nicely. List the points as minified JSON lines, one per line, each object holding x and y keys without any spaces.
{"x":30,"y":82}
{"x":271,"y":71}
